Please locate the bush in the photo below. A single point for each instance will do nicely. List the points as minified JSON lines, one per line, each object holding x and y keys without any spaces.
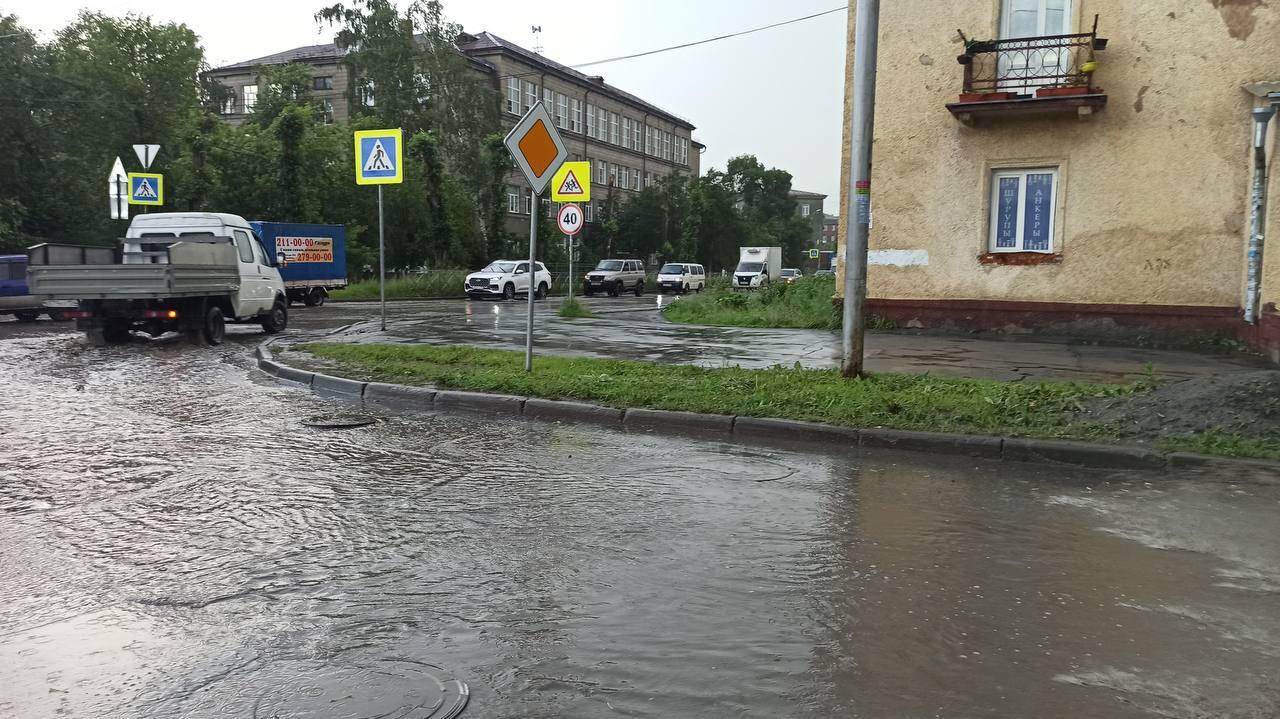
{"x":434,"y":284}
{"x":571,"y":307}
{"x":807,"y":303}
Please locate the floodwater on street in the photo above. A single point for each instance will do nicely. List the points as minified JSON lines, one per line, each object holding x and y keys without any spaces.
{"x":175,"y":543}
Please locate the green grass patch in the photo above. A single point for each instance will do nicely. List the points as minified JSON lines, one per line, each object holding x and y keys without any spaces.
{"x":432,"y":285}
{"x":887,"y":400}
{"x":1226,"y":444}
{"x":807,"y":303}
{"x":571,"y":308}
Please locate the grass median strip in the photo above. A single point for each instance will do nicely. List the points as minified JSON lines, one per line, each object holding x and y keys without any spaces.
{"x":887,"y":400}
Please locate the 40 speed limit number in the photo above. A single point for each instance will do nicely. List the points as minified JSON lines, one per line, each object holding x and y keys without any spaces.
{"x":570,"y":219}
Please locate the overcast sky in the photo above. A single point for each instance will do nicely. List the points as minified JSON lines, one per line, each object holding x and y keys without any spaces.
{"x":776,"y":94}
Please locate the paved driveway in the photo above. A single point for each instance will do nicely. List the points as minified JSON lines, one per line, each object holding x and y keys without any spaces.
{"x":632,"y":328}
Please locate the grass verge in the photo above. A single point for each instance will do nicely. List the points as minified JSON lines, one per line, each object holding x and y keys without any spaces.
{"x":1226,"y":444}
{"x":432,"y":285}
{"x":896,"y":401}
{"x":571,"y":307}
{"x":805,"y":304}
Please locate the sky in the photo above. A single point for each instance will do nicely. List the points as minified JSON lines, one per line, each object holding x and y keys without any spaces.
{"x":777,"y":94}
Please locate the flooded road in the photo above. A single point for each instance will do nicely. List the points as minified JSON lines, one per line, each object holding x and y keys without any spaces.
{"x":175,"y":543}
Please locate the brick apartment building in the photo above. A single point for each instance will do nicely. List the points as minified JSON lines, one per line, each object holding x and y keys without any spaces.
{"x":630,"y":143}
{"x":809,"y":208}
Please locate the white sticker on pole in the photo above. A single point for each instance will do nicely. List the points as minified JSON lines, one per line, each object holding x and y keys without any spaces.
{"x":570,"y":219}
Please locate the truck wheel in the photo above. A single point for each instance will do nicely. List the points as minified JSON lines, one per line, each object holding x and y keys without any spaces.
{"x":509,"y":292}
{"x":26,"y":316}
{"x":215,"y":327}
{"x":639,"y":288}
{"x":57,"y":315}
{"x":542,"y":291}
{"x":278,"y":320}
{"x":115,"y":333}
{"x":314,"y":298}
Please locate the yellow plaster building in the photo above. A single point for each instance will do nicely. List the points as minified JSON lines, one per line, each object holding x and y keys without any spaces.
{"x":1078,"y":166}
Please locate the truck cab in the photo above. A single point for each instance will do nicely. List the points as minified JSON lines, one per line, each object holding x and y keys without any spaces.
{"x":260,"y":282}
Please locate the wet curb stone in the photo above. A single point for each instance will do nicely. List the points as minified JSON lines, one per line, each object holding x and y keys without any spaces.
{"x":1057,"y":452}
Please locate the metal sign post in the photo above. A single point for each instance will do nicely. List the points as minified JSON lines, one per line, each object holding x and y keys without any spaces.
{"x":539,"y":152}
{"x":379,"y":156}
{"x":570,"y":219}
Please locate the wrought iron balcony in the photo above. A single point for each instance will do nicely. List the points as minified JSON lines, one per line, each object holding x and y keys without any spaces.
{"x":1054,"y":72}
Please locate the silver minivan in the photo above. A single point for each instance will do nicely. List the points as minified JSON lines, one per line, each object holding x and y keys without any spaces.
{"x":682,"y":277}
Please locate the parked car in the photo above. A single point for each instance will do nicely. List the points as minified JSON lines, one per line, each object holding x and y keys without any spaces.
{"x":615,"y":277}
{"x":825,"y":273}
{"x":681,"y":277}
{"x":17,"y":300}
{"x":791,"y":275}
{"x":506,"y":279}
{"x":757,"y":266}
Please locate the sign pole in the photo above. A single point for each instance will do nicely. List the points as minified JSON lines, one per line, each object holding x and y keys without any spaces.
{"x":382,"y":263}
{"x":858,"y":212}
{"x":569,"y":241}
{"x":533,"y":275}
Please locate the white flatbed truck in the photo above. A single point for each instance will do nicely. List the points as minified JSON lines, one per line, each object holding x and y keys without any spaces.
{"x":190,"y":272}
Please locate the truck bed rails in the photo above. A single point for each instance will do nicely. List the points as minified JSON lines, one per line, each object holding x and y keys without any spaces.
{"x":189,"y":270}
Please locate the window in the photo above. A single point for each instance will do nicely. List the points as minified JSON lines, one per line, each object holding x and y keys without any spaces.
{"x":526,"y":199}
{"x":513,"y":95}
{"x":602,"y":124}
{"x":513,"y":201}
{"x":243,"y":245}
{"x":626,"y":132}
{"x":549,"y":99}
{"x":1034,"y":18}
{"x":250,"y":97}
{"x":326,"y":108}
{"x":624,"y":177}
{"x":322,"y":82}
{"x":588,"y":208}
{"x":635,"y":136}
{"x":648,"y":140}
{"x":804,"y":210}
{"x":366,"y":92}
{"x":547,"y":211}
{"x":613,"y":128}
{"x":530,"y":94}
{"x":17,"y":271}
{"x":682,"y":150}
{"x":602,"y":172}
{"x":666,"y":146}
{"x":562,"y":111}
{"x":613,"y":175}
{"x":575,"y":115}
{"x":522,"y":268}
{"x":1023,"y":209}
{"x":635,"y":180}
{"x":229,"y":104}
{"x":591,"y":120}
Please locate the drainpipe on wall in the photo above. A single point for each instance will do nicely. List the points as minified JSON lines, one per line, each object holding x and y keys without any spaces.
{"x":1258,"y":214}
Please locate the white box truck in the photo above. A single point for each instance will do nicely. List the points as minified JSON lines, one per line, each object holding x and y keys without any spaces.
{"x":757,"y":266}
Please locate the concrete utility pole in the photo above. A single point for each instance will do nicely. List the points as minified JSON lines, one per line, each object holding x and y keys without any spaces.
{"x":858,"y":211}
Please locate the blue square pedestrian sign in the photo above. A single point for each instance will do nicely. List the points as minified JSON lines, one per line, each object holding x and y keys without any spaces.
{"x":146,"y":188}
{"x":379,"y":157}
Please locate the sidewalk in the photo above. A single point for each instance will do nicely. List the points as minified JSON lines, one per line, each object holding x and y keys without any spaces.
{"x":624,"y":330}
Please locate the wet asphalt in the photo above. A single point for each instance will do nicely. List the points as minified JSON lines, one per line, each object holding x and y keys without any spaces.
{"x":175,"y":543}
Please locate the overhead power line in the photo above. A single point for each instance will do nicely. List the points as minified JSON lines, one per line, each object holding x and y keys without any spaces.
{"x":842,"y":8}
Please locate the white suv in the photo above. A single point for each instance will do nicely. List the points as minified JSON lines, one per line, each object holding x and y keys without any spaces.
{"x":506,"y":279}
{"x":615,"y":277}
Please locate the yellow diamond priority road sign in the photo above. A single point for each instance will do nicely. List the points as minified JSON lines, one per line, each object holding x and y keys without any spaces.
{"x":572,"y":183}
{"x":537,"y":147}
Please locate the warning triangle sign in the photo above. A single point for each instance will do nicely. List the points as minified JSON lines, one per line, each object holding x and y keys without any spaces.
{"x":145,"y":191}
{"x":570,"y":186}
{"x":378,"y":159}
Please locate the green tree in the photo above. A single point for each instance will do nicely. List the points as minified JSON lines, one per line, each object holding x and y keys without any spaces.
{"x":23,"y":140}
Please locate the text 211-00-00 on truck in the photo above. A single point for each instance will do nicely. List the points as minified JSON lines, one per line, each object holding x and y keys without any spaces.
{"x":191,"y":272}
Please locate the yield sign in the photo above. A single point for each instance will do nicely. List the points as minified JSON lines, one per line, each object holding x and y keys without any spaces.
{"x":572,"y":183}
{"x":146,"y":154}
{"x":537,"y":147}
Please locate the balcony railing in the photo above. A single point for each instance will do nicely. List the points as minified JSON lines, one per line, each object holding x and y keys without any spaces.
{"x":1022,"y":66}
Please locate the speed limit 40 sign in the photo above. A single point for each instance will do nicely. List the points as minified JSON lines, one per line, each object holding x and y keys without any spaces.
{"x":570,"y":219}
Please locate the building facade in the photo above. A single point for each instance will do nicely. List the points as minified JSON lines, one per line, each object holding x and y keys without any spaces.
{"x":1069,"y":165}
{"x":630,"y":143}
{"x":809,"y":208}
{"x":830,"y":231}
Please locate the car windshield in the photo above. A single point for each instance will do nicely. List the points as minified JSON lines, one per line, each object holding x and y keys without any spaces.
{"x":609,"y":265}
{"x":789,"y":273}
{"x":750,"y":266}
{"x":671,"y":270}
{"x":503,"y":267}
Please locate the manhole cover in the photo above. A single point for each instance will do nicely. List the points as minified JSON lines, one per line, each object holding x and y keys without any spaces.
{"x":339,"y":421}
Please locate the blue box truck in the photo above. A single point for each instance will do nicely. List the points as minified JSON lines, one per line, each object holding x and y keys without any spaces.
{"x":16,"y":299}
{"x":313,"y":258}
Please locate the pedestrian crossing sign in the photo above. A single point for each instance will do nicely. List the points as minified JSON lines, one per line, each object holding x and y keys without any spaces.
{"x":146,"y":188}
{"x":379,"y":157}
{"x":572,"y":183}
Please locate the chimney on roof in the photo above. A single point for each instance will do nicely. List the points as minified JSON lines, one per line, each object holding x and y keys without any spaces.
{"x":465,"y":38}
{"x":597,"y":79}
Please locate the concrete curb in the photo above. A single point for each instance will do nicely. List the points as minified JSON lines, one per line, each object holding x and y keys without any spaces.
{"x":1040,"y":451}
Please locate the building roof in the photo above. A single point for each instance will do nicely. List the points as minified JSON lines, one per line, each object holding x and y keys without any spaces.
{"x":486,"y":42}
{"x":827,"y":217}
{"x":328,"y":51}
{"x":813,"y":195}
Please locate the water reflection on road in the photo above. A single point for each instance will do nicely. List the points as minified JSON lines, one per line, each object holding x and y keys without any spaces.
{"x":175,"y":543}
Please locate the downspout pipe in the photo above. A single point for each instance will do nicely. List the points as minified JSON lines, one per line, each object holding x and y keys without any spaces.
{"x":1258,"y":212}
